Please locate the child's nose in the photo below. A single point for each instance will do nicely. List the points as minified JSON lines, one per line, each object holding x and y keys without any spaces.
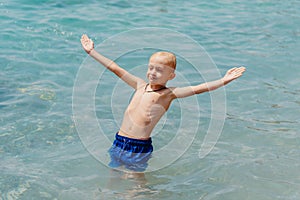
{"x":151,"y":71}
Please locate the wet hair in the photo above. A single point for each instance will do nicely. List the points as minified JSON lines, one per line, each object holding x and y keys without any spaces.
{"x":169,"y":58}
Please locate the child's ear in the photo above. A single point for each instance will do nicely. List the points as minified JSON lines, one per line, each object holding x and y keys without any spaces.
{"x":172,"y":75}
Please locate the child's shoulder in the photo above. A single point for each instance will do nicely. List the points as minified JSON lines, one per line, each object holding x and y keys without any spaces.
{"x":141,"y":85}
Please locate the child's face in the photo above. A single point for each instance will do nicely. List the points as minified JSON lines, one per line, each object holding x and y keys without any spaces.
{"x":159,"y":73}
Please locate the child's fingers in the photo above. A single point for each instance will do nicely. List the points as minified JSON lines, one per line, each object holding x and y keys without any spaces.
{"x":231,"y":70}
{"x":241,"y":70}
{"x":84,"y":38}
{"x":237,"y":70}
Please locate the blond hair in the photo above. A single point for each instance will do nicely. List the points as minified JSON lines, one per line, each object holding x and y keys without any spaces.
{"x":169,"y":58}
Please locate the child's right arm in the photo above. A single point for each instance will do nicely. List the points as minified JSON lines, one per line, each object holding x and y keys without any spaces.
{"x":131,"y":80}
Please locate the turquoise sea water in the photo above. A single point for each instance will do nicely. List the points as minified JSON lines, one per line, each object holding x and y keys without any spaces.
{"x":257,"y":155}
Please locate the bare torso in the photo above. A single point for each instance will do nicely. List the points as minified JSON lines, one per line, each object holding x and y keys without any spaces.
{"x":144,"y":112}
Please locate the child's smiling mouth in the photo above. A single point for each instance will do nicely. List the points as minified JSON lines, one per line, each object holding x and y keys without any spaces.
{"x":152,"y":78}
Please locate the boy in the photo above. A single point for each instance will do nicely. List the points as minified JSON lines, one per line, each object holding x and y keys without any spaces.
{"x":133,"y":146}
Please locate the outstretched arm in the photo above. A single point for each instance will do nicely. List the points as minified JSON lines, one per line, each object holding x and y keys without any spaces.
{"x":131,"y":80}
{"x":231,"y":75}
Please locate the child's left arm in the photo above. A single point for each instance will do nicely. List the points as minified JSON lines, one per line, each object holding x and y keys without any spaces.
{"x":231,"y":75}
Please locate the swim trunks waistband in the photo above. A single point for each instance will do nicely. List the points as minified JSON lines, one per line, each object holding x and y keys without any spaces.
{"x":133,"y":140}
{"x":133,"y":145}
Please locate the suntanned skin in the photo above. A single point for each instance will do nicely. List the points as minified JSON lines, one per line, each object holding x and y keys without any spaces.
{"x":148,"y":105}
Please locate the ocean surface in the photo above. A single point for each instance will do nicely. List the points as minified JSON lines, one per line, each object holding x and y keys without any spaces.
{"x":257,"y":155}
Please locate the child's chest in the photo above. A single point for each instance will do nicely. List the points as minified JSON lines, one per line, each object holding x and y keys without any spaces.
{"x":148,"y":100}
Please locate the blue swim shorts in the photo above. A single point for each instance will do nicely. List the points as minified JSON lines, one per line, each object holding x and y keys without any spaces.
{"x":132,"y":153}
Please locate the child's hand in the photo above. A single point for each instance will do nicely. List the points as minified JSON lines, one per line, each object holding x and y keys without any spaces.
{"x":233,"y":73}
{"x":87,"y":43}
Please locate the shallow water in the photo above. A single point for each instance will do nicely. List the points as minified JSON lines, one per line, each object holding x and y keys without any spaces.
{"x":257,"y":154}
